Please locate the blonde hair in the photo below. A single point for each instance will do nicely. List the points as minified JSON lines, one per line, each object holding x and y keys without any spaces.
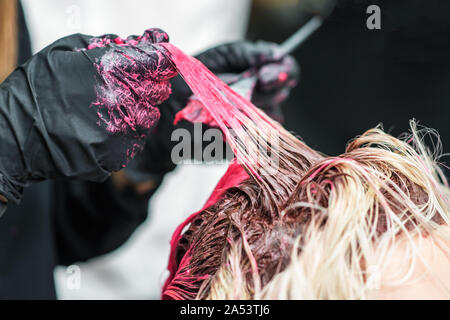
{"x":326,"y":224}
{"x":344,"y":258}
{"x":343,"y":221}
{"x":8,"y":37}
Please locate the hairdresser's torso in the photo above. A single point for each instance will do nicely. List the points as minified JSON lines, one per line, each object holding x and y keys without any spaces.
{"x":26,"y":271}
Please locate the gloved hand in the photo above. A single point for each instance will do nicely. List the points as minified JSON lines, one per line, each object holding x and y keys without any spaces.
{"x":275,"y":76}
{"x":232,"y":61}
{"x":80,"y":108}
{"x":237,"y":60}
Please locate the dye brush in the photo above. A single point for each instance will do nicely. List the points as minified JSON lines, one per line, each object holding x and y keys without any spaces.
{"x":245,"y":85}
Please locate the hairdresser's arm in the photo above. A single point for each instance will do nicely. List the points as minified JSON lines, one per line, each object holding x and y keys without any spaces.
{"x":80,"y":114}
{"x":96,"y":218}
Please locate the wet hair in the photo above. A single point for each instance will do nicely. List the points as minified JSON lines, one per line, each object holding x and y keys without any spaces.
{"x":326,"y":236}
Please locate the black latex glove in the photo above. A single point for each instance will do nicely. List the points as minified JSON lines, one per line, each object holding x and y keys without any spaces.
{"x":80,"y":108}
{"x":275,"y":77}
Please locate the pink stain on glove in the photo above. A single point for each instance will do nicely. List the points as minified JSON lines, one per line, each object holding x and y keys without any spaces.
{"x":135,"y":78}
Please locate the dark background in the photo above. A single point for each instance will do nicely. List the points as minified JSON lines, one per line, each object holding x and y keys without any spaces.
{"x":353,"y":78}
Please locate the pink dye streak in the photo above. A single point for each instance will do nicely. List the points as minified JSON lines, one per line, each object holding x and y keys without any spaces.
{"x":283,"y":76}
{"x":195,"y":111}
{"x":214,"y":103}
{"x":150,"y":36}
{"x":224,"y":105}
{"x":131,"y":86}
{"x":218,"y":98}
{"x":129,"y":101}
{"x":233,"y":177}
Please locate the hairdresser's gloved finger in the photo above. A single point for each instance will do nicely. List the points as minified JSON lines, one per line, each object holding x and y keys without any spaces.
{"x":103,"y":40}
{"x":139,"y":61}
{"x":156,"y":35}
{"x":239,"y":56}
{"x":236,"y":57}
{"x":275,"y":81}
{"x":150,"y":36}
{"x":215,"y":59}
{"x":144,"y":61}
{"x":164,"y":67}
{"x":272,"y":89}
{"x":263,"y":52}
{"x":270,"y":99}
{"x":155,"y":160}
{"x":278,"y":75}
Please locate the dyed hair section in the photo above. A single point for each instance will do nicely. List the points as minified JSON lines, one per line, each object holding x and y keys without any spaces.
{"x":335,"y":231}
{"x":261,"y":145}
{"x":303,"y":225}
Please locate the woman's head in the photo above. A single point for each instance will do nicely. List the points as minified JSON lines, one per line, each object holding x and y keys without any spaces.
{"x":328,"y":235}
